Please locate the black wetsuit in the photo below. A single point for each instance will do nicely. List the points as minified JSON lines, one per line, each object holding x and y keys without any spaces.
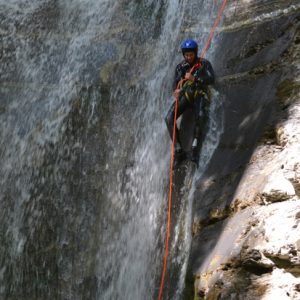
{"x":193,"y":95}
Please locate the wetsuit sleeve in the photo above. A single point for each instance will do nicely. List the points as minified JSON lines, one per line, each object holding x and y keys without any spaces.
{"x":177,"y":77}
{"x":206,"y":74}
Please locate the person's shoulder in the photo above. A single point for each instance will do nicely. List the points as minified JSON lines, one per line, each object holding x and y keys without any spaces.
{"x":204,"y":61}
{"x":182,"y":64}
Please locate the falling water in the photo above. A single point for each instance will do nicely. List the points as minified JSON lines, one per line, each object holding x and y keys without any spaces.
{"x":84,"y":151}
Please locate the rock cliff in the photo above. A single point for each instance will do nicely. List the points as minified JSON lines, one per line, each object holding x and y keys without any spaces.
{"x":246,"y":209}
{"x":84,"y":89}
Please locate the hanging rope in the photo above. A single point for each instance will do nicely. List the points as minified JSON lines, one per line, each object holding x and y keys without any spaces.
{"x":166,"y":253}
{"x":214,"y":28}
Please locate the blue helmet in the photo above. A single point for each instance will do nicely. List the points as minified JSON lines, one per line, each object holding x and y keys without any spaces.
{"x":189,"y":45}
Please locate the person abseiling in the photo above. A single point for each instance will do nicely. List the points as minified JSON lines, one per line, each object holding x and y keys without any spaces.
{"x":192,"y":94}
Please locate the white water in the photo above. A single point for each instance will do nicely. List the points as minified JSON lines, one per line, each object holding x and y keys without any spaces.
{"x":135,"y":246}
{"x":44,"y":86}
{"x":131,"y":228}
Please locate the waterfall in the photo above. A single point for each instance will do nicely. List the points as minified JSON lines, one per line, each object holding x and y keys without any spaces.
{"x":84,"y":89}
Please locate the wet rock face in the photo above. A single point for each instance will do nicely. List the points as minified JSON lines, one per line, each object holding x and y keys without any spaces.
{"x":77,"y":97}
{"x":72,"y":112}
{"x":246,"y":209}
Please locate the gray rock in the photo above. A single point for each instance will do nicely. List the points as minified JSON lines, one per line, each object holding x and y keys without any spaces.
{"x":256,"y":165}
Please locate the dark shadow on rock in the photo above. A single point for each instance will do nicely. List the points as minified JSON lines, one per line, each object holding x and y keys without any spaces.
{"x":252,"y":109}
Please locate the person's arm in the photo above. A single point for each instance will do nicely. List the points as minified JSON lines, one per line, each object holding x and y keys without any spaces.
{"x":177,"y":77}
{"x":209,"y":74}
{"x":205,"y":75}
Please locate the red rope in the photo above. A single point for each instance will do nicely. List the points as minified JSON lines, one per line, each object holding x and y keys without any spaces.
{"x":213,"y":29}
{"x":169,"y":206}
{"x":161,"y":288}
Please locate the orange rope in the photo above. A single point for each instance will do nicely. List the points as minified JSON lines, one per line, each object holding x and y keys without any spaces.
{"x":210,"y":36}
{"x":169,"y":206}
{"x":213,"y":29}
{"x":161,"y":288}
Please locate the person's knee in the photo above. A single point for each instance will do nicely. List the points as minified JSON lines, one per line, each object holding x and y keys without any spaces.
{"x":169,"y":118}
{"x":197,"y":130}
{"x":201,"y":121}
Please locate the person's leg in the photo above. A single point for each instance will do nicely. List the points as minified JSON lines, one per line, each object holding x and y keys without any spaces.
{"x":169,"y":119}
{"x":179,"y":154}
{"x":201,"y":117}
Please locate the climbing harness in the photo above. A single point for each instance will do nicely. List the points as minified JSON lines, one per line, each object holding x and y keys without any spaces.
{"x":179,"y":85}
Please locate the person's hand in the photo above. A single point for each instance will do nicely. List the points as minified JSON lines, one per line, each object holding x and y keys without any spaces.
{"x":176,"y":93}
{"x":189,"y":77}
